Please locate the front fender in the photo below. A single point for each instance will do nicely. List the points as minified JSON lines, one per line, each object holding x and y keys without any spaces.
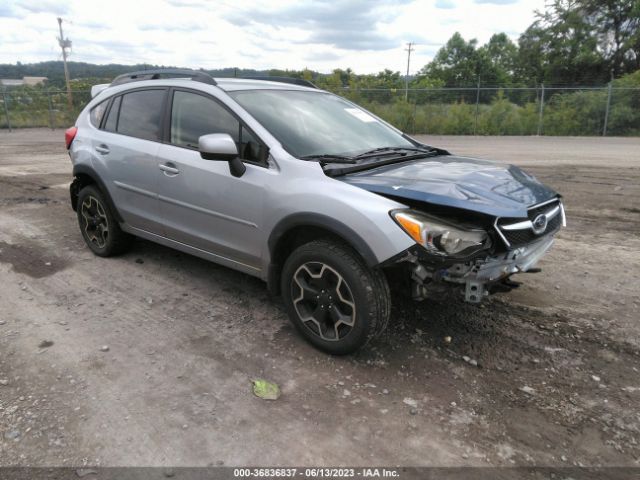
{"x":304,"y":196}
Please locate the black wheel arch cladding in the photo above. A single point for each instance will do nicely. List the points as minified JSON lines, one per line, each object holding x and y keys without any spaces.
{"x":308,"y":219}
{"x":313,"y":220}
{"x":80,"y":171}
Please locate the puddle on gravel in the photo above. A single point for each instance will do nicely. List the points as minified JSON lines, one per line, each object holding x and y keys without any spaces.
{"x":31,"y":259}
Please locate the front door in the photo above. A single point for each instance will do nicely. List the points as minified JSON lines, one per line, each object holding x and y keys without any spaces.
{"x":201,"y":203}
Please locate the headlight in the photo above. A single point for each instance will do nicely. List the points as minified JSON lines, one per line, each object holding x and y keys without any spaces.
{"x":439,"y":237}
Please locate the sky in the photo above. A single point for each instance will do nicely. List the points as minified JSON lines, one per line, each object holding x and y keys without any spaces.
{"x":365,"y":35}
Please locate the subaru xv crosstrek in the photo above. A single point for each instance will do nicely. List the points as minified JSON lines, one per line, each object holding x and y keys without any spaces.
{"x":302,"y":188}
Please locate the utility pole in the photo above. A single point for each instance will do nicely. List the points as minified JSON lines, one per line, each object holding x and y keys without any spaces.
{"x":409,"y":49}
{"x":475,"y":125}
{"x":65,"y":43}
{"x":606,"y":113}
{"x":541,"y":111}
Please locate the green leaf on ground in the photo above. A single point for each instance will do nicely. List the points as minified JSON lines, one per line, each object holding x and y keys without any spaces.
{"x":265,"y":390}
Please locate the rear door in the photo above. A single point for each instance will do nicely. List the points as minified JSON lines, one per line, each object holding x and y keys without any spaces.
{"x":201,"y":203}
{"x":126,"y":147}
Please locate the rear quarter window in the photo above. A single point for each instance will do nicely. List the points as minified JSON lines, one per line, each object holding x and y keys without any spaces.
{"x":97,"y":113}
{"x":141,"y":114}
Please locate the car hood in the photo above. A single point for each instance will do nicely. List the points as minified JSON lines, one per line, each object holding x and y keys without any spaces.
{"x":492,"y":188}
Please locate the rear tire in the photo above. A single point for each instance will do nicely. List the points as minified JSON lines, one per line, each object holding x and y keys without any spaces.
{"x":333,"y":298}
{"x":100,"y":230}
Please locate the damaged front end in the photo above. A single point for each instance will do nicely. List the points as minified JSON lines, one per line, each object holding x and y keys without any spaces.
{"x":477,"y":258}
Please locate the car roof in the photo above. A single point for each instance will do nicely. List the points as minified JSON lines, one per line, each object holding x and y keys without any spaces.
{"x":194,"y":78}
{"x":226,"y":84}
{"x":235,"y":84}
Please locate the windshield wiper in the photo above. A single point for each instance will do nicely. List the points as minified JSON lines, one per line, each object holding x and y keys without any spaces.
{"x":361,"y":164}
{"x":392,"y":151}
{"x":328,"y":158}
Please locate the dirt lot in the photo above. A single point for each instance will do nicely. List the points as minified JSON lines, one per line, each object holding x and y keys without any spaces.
{"x":556,"y":381}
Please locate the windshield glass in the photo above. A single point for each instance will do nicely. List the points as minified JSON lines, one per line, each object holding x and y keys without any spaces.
{"x":317,"y":123}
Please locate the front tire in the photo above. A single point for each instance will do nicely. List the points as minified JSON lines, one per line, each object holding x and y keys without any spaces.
{"x":100,"y":230}
{"x":333,"y":298}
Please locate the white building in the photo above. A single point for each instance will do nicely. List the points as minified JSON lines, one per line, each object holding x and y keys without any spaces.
{"x":28,"y":81}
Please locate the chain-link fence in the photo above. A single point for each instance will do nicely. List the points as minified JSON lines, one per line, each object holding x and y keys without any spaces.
{"x":507,"y":111}
{"x":449,"y":111}
{"x":40,"y":108}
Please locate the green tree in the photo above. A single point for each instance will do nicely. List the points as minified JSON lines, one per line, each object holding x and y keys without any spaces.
{"x":530,"y":64}
{"x":455,"y":64}
{"x":497,"y":60}
{"x":332,"y":82}
{"x":571,"y":54}
{"x":617,"y":26}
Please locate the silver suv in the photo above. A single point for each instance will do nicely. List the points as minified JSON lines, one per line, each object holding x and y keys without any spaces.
{"x":321,"y":199}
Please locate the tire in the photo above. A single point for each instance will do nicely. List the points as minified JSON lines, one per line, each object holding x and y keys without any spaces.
{"x":98,"y":226}
{"x":334,"y":300}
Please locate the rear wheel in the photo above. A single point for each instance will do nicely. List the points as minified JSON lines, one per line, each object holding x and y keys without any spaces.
{"x":336,"y":302}
{"x":99,"y":228}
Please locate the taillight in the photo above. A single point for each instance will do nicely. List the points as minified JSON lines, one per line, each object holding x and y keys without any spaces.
{"x":69,"y":135}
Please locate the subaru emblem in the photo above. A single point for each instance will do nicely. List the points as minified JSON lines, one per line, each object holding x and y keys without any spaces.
{"x":539,"y":224}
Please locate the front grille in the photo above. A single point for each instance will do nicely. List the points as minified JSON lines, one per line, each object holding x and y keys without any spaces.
{"x":517,"y":238}
{"x":526,"y":235}
{"x":532,"y":213}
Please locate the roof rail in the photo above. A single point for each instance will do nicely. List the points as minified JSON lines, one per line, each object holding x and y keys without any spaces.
{"x":195,"y":75}
{"x":295,"y":81}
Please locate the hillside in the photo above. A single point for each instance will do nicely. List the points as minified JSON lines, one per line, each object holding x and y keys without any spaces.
{"x":54,"y":71}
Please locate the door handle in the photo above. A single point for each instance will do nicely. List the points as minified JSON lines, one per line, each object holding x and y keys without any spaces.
{"x":102,"y":148}
{"x":168,"y":169}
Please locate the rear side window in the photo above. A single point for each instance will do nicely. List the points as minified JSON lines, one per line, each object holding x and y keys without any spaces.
{"x":112,"y":120}
{"x":97,"y":113}
{"x":141,"y":114}
{"x":194,"y":115}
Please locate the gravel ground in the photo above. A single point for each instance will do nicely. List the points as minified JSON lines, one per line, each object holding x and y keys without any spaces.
{"x":147,"y":359}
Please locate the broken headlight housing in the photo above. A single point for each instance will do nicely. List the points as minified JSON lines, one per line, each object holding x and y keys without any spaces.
{"x":440,"y":237}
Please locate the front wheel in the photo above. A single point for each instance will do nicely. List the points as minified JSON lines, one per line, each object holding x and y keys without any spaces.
{"x":333,"y":298}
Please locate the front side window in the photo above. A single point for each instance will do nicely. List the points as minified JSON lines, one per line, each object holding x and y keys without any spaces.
{"x":194,"y":115}
{"x":141,"y":114}
{"x":316,"y":123}
{"x":250,"y":147}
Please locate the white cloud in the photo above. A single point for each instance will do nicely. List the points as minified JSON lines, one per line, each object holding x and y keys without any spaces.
{"x":42,"y":6}
{"x":366,"y":35}
{"x":445,"y":4}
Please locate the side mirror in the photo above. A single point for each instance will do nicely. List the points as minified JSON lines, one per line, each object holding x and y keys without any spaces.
{"x":221,"y":147}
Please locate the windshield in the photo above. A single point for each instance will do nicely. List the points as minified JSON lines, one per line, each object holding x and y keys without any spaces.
{"x":317,"y":123}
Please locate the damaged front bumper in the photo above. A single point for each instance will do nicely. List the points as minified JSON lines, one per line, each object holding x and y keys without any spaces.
{"x":476,"y":276}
